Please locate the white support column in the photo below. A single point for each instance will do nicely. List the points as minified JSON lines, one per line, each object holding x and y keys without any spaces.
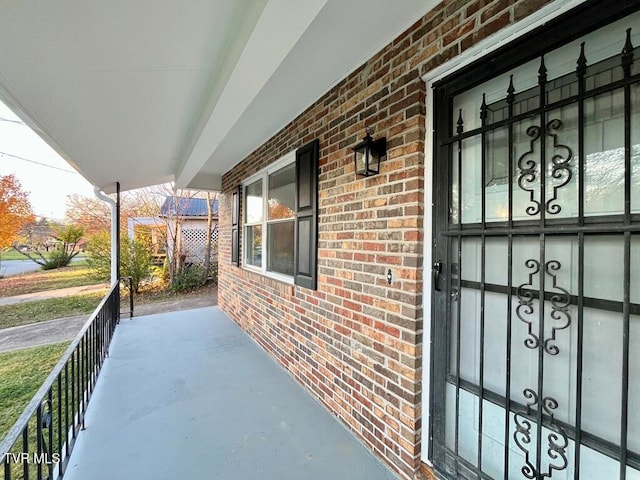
{"x":114,"y":232}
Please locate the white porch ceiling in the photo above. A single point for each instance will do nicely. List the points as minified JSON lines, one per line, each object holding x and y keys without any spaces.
{"x":147,"y":91}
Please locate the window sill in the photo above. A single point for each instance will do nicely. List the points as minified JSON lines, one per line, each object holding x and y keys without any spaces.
{"x":279,"y":278}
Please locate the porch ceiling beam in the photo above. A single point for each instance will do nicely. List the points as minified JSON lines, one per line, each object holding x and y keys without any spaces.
{"x":206,"y":181}
{"x":261,"y":57}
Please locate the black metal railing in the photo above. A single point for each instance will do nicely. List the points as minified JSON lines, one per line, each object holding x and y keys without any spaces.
{"x":39,"y":444}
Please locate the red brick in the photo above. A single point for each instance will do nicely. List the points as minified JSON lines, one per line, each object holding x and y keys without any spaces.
{"x":523,"y":8}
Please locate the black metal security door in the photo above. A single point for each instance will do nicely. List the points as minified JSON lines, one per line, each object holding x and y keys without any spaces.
{"x":537,"y":280}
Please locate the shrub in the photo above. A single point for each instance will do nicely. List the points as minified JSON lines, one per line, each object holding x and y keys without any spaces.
{"x":135,"y":258}
{"x":188,"y":278}
{"x":99,"y":255}
{"x":58,"y":258}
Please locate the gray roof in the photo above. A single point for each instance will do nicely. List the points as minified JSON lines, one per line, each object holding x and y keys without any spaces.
{"x":187,"y":207}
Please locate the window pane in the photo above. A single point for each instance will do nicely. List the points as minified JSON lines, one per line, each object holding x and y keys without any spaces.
{"x":471,"y":180}
{"x":253,"y":202}
{"x":253,"y":245}
{"x":604,"y":154}
{"x":282,"y":191}
{"x":280,"y":250}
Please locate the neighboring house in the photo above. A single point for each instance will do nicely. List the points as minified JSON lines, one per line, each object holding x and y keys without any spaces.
{"x":186,"y":222}
{"x":40,"y":236}
{"x":182,"y":221}
{"x":43,"y":238}
{"x":471,"y":310}
{"x":154,"y":230}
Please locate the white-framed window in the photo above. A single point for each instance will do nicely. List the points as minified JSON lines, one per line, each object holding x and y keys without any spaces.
{"x":269,"y":220}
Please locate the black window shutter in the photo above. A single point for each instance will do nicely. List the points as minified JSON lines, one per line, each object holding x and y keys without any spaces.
{"x":306,"y":232}
{"x":235,"y":227}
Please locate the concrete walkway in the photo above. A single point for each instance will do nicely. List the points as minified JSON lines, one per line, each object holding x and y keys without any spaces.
{"x":61,"y":292}
{"x":188,"y":395}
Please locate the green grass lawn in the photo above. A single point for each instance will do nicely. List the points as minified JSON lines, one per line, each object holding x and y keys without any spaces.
{"x":43,"y":310}
{"x":21,"y":375}
{"x":11,"y":254}
{"x":76,"y":275}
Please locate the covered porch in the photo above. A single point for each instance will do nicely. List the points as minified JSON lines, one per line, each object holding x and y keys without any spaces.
{"x":189,"y":395}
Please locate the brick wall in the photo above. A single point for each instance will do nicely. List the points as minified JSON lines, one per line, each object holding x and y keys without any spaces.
{"x":356,"y":342}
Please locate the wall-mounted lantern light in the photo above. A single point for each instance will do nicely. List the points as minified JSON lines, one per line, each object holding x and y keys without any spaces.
{"x":367,"y":155}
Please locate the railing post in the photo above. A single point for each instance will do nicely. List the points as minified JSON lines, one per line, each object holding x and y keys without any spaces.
{"x":129,"y":281}
{"x":130,"y":297}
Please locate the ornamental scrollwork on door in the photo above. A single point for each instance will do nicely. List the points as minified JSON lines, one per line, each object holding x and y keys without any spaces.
{"x":525,"y":304}
{"x":557,"y":439}
{"x":560,"y":166}
{"x":559,"y":307}
{"x":560,"y":301}
{"x":522,"y":435}
{"x":529,"y":170}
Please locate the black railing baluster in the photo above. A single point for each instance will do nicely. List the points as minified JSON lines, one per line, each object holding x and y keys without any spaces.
{"x":66,"y":406}
{"x":59,"y":451}
{"x":25,"y":452}
{"x":74,"y":383}
{"x":39,"y":443}
{"x":98,"y":345}
{"x":85,"y":385}
{"x":82,"y":380}
{"x":49,"y":446}
{"x":7,"y":467}
{"x":89,"y":358}
{"x":93,"y":355}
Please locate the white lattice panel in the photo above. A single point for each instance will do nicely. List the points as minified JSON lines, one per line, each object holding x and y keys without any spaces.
{"x":194,"y":244}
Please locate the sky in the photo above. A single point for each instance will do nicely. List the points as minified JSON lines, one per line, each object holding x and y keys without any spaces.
{"x":47,"y":177}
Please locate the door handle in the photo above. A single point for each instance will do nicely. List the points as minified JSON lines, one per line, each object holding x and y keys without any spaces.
{"x":436,"y":270}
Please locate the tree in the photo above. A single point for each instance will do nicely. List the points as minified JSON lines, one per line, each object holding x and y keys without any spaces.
{"x":93,"y":214}
{"x":207,"y":248}
{"x":15,"y":210}
{"x":149,"y":201}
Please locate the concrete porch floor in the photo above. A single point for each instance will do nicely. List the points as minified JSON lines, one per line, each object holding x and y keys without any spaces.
{"x":189,"y":395}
